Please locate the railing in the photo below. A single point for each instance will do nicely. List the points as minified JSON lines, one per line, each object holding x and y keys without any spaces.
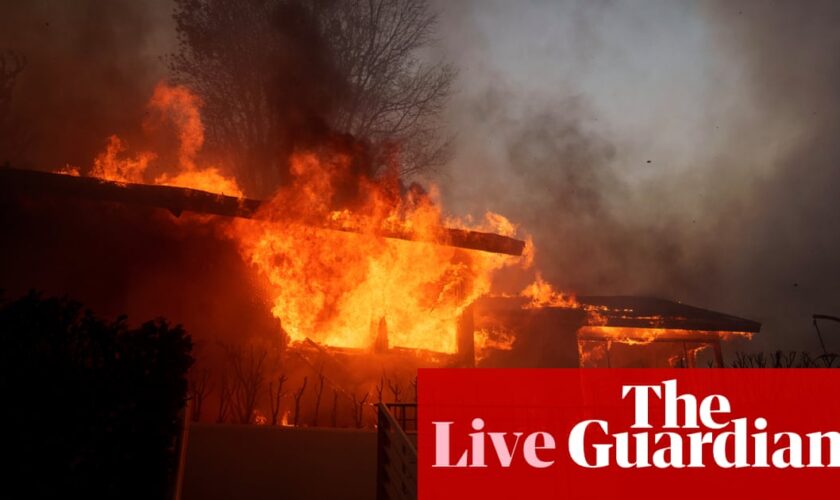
{"x":396,"y":461}
{"x":406,"y":415}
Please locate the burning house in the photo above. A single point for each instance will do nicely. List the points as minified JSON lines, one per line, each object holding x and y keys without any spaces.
{"x":325,"y":299}
{"x":539,"y":328}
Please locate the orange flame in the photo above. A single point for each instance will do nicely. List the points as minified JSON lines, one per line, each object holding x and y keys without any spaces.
{"x":182,"y":108}
{"x":328,"y":272}
{"x":331,"y":285}
{"x":542,"y":294}
{"x":113,"y":165}
{"x":488,"y":340}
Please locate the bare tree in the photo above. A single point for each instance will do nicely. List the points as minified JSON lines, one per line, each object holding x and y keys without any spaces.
{"x":396,"y":390}
{"x":298,"y":396}
{"x":249,"y":375}
{"x":275,"y":395}
{"x":226,"y":390}
{"x":414,"y":386}
{"x":273,"y":73}
{"x":318,"y":392}
{"x":200,"y":388}
{"x":394,"y":96}
{"x":335,"y":408}
{"x":380,"y":386}
{"x":359,"y":409}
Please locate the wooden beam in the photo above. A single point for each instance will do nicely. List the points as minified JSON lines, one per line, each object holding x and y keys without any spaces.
{"x":178,"y":200}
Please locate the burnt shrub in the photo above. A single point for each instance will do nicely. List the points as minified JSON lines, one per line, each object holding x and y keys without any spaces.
{"x":88,"y":408}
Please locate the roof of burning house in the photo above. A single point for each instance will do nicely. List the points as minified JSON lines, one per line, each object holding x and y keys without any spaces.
{"x":619,"y":311}
{"x":178,"y":200}
{"x":646,"y":312}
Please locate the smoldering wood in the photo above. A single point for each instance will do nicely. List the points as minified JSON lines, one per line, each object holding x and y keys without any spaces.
{"x":616,"y":311}
{"x":178,"y":200}
{"x":647,"y":312}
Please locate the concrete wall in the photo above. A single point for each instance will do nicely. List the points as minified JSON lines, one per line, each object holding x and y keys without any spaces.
{"x":256,"y":462}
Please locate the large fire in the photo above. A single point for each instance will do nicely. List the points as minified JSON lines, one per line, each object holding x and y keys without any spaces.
{"x":178,"y":105}
{"x":328,"y":270}
{"x":329,"y":274}
{"x":336,"y":287}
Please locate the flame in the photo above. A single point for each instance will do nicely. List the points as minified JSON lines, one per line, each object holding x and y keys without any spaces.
{"x":178,"y":105}
{"x":208,"y":179}
{"x":181,"y":107}
{"x":490,"y":339}
{"x":633,"y":335}
{"x":595,"y":342}
{"x":590,"y":355}
{"x":330,"y":285}
{"x":329,"y":271}
{"x":113,"y":165}
{"x":542,"y":294}
{"x":69,"y":170}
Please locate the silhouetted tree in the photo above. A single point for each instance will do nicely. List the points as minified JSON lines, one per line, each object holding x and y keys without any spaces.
{"x":200,"y":388}
{"x":298,"y":396}
{"x":318,"y":393}
{"x":396,"y":390}
{"x":91,"y":409}
{"x":275,"y":395}
{"x":248,"y":368}
{"x":334,"y":418}
{"x":359,"y":409}
{"x":380,"y":387}
{"x":226,"y":390}
{"x":780,"y":359}
{"x":275,"y":75}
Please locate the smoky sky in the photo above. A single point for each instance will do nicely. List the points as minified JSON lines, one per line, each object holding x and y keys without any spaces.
{"x":91,"y":67}
{"x":685,"y":150}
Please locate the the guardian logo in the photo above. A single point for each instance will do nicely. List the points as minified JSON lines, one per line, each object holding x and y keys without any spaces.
{"x":707,"y":436}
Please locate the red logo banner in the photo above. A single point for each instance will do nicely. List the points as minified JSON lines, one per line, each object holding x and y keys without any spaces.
{"x":652,"y":434}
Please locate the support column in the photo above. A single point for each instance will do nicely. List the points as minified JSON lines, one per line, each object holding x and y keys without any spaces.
{"x":465,"y":338}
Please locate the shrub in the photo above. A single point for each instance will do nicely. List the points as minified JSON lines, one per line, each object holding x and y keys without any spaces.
{"x":90,"y":409}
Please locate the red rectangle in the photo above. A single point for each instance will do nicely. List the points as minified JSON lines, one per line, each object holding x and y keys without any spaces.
{"x":795,"y":404}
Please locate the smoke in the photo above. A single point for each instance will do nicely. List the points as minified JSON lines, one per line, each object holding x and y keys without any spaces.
{"x":682,"y":150}
{"x":685,"y":151}
{"x":783,"y":228}
{"x":91,"y":65}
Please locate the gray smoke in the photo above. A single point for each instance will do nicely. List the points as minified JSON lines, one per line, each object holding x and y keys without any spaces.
{"x":686,"y":151}
{"x":91,"y":67}
{"x":675,"y":149}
